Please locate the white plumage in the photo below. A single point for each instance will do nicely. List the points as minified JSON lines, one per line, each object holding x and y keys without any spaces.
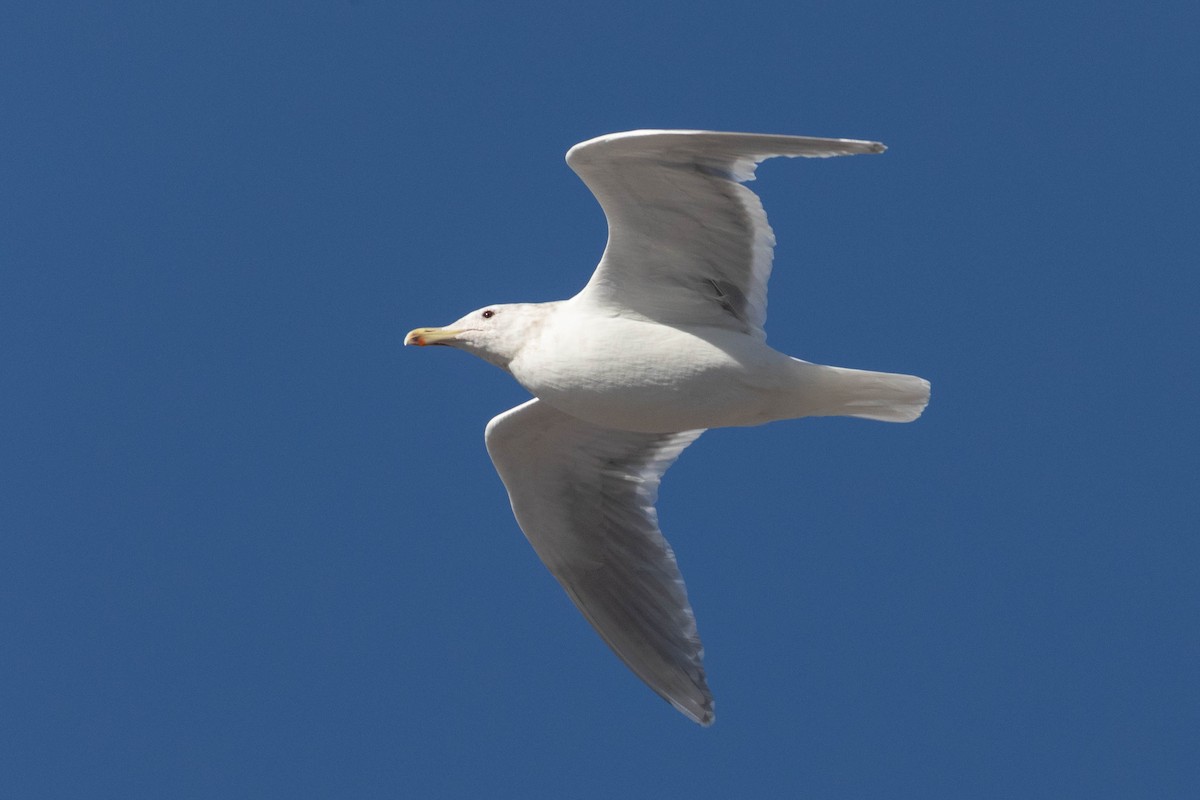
{"x":664,"y":341}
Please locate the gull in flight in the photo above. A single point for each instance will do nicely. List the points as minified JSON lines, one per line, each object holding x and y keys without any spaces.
{"x":664,"y":341}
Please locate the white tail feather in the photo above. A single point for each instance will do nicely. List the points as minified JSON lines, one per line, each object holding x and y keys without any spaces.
{"x":885,"y":396}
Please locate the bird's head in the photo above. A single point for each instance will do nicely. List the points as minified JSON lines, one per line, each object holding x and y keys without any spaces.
{"x":494,"y":333}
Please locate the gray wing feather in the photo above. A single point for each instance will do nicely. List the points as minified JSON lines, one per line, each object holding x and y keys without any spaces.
{"x":584,"y":497}
{"x":687,"y":243}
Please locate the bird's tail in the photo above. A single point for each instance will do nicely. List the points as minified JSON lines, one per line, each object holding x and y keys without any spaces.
{"x":885,"y":396}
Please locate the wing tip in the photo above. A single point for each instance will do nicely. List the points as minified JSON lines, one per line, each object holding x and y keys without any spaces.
{"x":699,"y":709}
{"x":847,"y":147}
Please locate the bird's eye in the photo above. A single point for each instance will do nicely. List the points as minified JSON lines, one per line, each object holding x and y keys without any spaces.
{"x":489,"y":314}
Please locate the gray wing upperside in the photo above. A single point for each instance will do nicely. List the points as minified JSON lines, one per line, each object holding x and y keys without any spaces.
{"x":584,"y":497}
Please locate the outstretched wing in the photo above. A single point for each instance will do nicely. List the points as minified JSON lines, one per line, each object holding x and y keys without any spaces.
{"x":584,"y":496}
{"x":687,"y":243}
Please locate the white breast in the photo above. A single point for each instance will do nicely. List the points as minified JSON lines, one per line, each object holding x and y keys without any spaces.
{"x":642,"y":376}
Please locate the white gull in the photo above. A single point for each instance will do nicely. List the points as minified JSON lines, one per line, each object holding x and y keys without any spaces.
{"x":664,"y":341}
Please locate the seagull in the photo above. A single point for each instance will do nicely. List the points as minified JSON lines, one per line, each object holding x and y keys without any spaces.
{"x":665,"y":341}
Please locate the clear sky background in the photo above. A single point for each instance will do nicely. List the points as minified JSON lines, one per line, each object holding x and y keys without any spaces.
{"x":253,"y":547}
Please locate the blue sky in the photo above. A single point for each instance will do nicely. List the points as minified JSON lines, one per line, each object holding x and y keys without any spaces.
{"x":253,"y":547}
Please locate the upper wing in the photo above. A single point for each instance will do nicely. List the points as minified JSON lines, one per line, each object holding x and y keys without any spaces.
{"x":584,"y":496}
{"x":687,"y":243}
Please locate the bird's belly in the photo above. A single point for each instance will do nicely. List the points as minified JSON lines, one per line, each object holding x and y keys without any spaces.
{"x":629,"y":377}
